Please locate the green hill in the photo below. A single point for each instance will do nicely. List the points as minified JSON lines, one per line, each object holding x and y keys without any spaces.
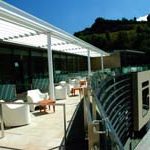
{"x":112,"y":35}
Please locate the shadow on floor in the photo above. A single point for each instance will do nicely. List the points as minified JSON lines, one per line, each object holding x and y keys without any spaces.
{"x":76,"y":136}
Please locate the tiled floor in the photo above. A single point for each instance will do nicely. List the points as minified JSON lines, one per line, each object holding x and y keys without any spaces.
{"x":46,"y":130}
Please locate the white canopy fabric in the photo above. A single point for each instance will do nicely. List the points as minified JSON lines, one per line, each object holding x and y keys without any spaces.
{"x":19,"y":27}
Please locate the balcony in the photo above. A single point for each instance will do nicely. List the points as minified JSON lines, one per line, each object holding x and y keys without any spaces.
{"x":46,"y":130}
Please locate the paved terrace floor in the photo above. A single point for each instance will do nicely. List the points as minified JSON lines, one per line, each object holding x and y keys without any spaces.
{"x":46,"y":130}
{"x":145,"y":142}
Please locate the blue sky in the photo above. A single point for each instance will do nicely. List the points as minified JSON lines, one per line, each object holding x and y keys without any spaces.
{"x":75,"y":15}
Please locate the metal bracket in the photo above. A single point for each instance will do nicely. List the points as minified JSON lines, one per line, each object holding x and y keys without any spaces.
{"x":97,"y":122}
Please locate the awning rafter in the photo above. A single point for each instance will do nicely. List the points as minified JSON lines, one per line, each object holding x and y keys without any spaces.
{"x":19,"y":27}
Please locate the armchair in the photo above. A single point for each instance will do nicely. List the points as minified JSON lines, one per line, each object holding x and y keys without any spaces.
{"x":35,"y":96}
{"x":60,"y":92}
{"x":73,"y":83}
{"x":16,"y":114}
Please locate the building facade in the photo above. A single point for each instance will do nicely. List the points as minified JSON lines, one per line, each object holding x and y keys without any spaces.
{"x":20,"y":64}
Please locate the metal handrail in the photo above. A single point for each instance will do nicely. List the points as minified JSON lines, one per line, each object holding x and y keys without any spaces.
{"x":107,"y":123}
{"x":30,"y":103}
{"x":109,"y":127}
{"x":105,"y":96}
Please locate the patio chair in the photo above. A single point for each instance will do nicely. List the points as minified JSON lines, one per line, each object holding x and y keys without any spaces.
{"x":35,"y":96}
{"x":8,"y":92}
{"x":60,"y":92}
{"x":16,"y":114}
{"x":64,"y":84}
{"x":73,"y":83}
{"x":41,"y":84}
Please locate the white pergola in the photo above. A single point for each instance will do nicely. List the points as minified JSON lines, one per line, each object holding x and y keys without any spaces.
{"x":17,"y":26}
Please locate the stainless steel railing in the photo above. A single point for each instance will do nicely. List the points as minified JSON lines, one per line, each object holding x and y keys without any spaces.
{"x":92,"y":124}
{"x":108,"y":109}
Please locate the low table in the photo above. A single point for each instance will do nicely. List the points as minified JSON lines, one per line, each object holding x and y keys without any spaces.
{"x":83,"y":82}
{"x":46,"y":102}
{"x":73,"y":90}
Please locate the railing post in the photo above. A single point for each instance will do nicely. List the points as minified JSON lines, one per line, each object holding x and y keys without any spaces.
{"x":93,"y":139}
{"x":93,"y":109}
{"x":64,"y":113}
{"x":2,"y":121}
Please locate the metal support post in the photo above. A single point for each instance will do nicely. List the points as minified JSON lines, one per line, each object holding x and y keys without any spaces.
{"x":102,"y":62}
{"x":64,"y":112}
{"x":89,"y":64}
{"x":50,"y":66}
{"x":93,"y":108}
{"x":2,"y":121}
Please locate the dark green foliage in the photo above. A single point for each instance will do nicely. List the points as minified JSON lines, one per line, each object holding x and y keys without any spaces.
{"x":148,"y":18}
{"x":118,"y":34}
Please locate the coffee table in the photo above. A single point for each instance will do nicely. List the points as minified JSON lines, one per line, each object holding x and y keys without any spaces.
{"x":73,"y":90}
{"x":83,"y":82}
{"x":46,"y":102}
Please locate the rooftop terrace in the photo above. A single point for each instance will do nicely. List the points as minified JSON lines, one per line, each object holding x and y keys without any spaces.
{"x":46,"y":130}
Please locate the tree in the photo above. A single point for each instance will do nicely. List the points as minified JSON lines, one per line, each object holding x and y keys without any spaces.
{"x":124,"y":20}
{"x":148,"y":18}
{"x":134,"y":19}
{"x":122,"y":40}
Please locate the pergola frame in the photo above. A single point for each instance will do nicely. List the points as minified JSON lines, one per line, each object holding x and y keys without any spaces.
{"x":17,"y":26}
